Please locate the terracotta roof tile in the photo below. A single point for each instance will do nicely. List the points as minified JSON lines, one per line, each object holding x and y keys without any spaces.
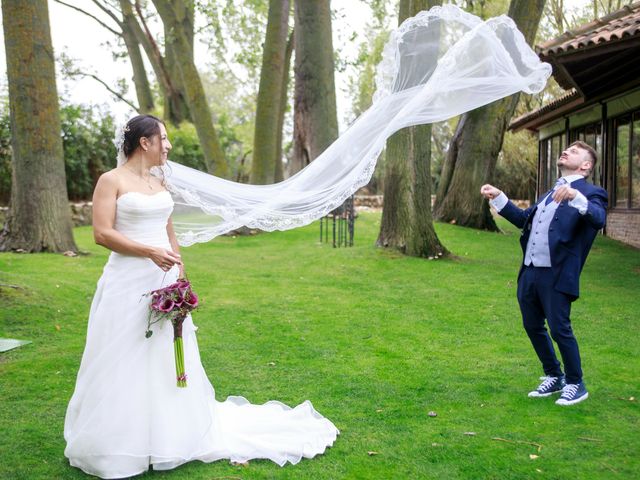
{"x":621,"y":24}
{"x":571,"y":97}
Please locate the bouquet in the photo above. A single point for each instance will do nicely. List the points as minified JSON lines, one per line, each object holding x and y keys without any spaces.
{"x":173,"y":303}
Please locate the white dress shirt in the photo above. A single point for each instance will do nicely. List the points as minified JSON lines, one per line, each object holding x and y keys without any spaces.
{"x":580,"y":202}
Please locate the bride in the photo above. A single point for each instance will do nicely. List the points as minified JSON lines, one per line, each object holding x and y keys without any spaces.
{"x":126,"y":413}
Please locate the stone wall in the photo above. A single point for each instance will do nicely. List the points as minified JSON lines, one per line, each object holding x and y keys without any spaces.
{"x":81,"y":213}
{"x":624,"y":226}
{"x":368,"y":202}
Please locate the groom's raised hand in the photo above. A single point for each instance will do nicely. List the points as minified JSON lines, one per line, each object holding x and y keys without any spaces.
{"x":489,"y":191}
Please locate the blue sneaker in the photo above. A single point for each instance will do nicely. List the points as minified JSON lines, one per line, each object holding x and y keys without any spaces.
{"x":549,"y":386}
{"x":573,"y":393}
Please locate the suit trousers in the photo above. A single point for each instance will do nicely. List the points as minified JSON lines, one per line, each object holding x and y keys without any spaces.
{"x":539,"y":300}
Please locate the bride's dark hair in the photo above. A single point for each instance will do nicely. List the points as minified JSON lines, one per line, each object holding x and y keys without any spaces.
{"x":138,"y":127}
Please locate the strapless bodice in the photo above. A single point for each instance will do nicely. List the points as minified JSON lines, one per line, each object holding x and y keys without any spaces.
{"x":143,"y":218}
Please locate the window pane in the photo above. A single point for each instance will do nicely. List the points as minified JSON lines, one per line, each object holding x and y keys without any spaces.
{"x":544,"y":153}
{"x":597,"y":173}
{"x":622,"y":163}
{"x":556,"y":148}
{"x":594,"y":139}
{"x":635,"y":163}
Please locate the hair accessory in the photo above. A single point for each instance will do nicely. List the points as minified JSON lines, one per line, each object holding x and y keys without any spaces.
{"x":118,"y":141}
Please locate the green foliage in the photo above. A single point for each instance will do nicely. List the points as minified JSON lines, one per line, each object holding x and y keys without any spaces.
{"x":87,"y":138}
{"x":362,"y":82}
{"x":186,"y":146}
{"x":235,"y":120}
{"x":374,"y":339}
{"x":5,"y":156}
{"x":362,"y":85}
{"x":441,"y":134}
{"x":237,"y":27}
{"x":485,"y":9}
{"x":235,"y":33}
{"x":516,"y":169}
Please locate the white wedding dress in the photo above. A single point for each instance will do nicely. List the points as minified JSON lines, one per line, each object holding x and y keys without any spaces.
{"x":126,"y":413}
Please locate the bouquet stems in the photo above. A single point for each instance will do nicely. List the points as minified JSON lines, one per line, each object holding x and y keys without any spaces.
{"x":178,"y":350}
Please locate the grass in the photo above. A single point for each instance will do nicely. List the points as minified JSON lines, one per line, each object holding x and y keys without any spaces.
{"x":374,"y":339}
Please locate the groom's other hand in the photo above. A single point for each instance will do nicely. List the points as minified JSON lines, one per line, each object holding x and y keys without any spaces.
{"x":564,"y":192}
{"x":489,"y":191}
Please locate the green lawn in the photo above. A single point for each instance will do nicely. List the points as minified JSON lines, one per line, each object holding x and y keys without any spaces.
{"x":374,"y":339}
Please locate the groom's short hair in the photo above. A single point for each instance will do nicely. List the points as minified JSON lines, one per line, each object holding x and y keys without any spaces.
{"x":593,"y":155}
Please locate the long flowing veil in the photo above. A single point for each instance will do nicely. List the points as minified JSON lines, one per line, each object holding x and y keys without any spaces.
{"x":436,"y":65}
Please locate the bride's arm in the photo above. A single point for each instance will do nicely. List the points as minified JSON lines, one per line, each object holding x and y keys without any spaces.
{"x":104,"y":233}
{"x":175,"y":246}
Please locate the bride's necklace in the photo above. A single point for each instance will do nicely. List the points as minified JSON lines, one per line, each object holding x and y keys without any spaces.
{"x":147,"y":180}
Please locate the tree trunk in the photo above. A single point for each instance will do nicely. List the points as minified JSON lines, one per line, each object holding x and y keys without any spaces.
{"x":195,"y":96}
{"x":474,"y":148}
{"x":175,"y":105}
{"x":176,"y":109}
{"x":407,"y":224}
{"x":279,"y":175}
{"x":140,"y":79}
{"x":315,"y":122}
{"x":270,"y":92}
{"x":39,"y":217}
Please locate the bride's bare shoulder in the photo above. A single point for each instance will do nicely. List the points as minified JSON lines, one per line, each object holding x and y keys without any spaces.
{"x":109,"y":181}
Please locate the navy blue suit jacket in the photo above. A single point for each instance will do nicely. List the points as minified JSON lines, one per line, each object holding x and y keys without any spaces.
{"x":570,"y":234}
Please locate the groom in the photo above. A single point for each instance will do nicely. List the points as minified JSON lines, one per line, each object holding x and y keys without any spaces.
{"x":557,"y":233}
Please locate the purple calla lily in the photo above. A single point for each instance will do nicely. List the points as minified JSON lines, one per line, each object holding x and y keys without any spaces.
{"x":192,"y":301}
{"x":167,"y":305}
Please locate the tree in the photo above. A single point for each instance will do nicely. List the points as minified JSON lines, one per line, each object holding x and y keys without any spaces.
{"x":478,"y":138}
{"x":315,"y":119}
{"x":176,"y":108}
{"x":39,"y":217}
{"x":126,"y":31}
{"x":283,"y":106}
{"x":173,"y":15}
{"x":133,"y":30}
{"x":269,"y":109}
{"x":407,"y":224}
{"x":143,"y":90}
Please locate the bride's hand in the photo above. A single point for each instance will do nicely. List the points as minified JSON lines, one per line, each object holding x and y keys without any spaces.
{"x":165,"y":259}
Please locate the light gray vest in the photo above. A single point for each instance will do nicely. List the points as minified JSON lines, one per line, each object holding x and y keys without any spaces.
{"x":537,"y":253}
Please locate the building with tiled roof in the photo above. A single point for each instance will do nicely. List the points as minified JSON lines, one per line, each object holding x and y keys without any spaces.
{"x":599,"y":65}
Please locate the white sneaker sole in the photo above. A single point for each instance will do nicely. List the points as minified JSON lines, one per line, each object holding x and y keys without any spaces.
{"x":566,"y":403}
{"x":535,"y":394}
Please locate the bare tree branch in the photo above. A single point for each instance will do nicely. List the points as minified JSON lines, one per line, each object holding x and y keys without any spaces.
{"x":73,"y":7}
{"x":155,"y":50}
{"x":107,"y":11}
{"x":105,"y":85}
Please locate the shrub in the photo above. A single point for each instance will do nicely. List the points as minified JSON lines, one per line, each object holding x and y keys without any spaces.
{"x":87,"y":138}
{"x":87,"y":134}
{"x":186,"y":146}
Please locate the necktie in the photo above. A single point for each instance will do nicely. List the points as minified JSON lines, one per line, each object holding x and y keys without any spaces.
{"x":549,"y":199}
